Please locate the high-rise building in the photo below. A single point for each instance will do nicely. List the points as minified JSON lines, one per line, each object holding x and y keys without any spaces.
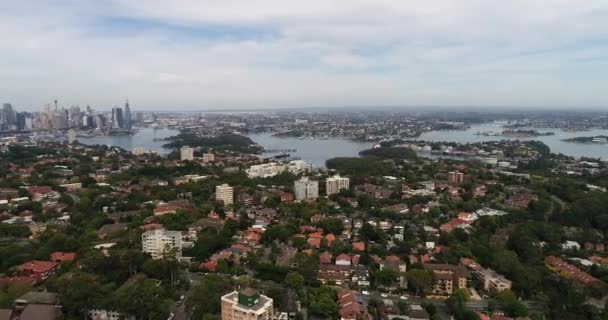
{"x":336,"y":183}
{"x":8,"y":115}
{"x":139,"y":117}
{"x":127,"y":116}
{"x":247,"y":304}
{"x":71,"y":136}
{"x":22,"y":121}
{"x":160,"y":243}
{"x":75,"y":117}
{"x":117,"y":118}
{"x":186,"y":153}
{"x":306,"y":189}
{"x":208,"y":157}
{"x":138,"y":151}
{"x":225,"y":194}
{"x":455,"y":177}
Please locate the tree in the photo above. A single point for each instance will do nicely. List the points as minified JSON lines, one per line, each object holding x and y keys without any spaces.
{"x":511,"y":305}
{"x":323,"y":302}
{"x":79,"y":292}
{"x":419,"y":279}
{"x":143,"y":298}
{"x":206,"y":297}
{"x":331,"y":225}
{"x":386,"y":277}
{"x":457,"y":305}
{"x":294,"y":280}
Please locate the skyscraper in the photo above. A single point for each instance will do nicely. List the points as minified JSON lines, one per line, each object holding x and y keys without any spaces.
{"x":127,"y":116}
{"x":8,"y":117}
{"x":117,"y":118}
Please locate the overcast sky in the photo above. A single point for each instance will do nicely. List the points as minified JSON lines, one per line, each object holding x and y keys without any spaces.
{"x":199,"y":54}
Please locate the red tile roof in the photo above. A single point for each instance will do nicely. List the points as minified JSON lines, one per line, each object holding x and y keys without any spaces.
{"x":37,"y":266}
{"x":59,"y":256}
{"x":359,"y":246}
{"x":569,"y":271}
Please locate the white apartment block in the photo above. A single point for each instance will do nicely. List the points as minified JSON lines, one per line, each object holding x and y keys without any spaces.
{"x":186,"y":153}
{"x":138,"y":151}
{"x":159,"y":242}
{"x":208,"y":157}
{"x":247,"y":304}
{"x":225,"y":194}
{"x":272,"y":169}
{"x":306,"y":189}
{"x":102,"y":314}
{"x":336,"y":183}
{"x":492,"y":280}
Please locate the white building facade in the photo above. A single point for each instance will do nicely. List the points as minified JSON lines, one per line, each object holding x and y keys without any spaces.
{"x":336,"y":183}
{"x":160,"y":242}
{"x":306,"y":189}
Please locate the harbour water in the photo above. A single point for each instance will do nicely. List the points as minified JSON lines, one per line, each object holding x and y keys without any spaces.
{"x":144,"y":138}
{"x":554,"y":142}
{"x":317,"y":151}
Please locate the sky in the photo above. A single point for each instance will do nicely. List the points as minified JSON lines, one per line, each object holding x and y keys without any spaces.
{"x":238,"y":54}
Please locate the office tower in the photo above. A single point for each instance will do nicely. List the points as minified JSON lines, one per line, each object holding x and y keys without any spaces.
{"x":159,"y":243}
{"x":127,"y":116}
{"x":225,"y":194}
{"x":71,"y":136}
{"x":75,"y":117}
{"x":306,"y":189}
{"x":455,"y":177}
{"x":45,"y":121}
{"x":8,"y":115}
{"x":22,"y":121}
{"x":117,"y":118}
{"x":247,"y":304}
{"x":186,"y":153}
{"x":59,"y":119}
{"x":336,"y":183}
{"x":139,"y":117}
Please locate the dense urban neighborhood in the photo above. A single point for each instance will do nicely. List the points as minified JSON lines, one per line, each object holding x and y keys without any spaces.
{"x":216,"y":229}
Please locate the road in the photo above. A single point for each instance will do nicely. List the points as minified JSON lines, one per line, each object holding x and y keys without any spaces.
{"x":194,"y":279}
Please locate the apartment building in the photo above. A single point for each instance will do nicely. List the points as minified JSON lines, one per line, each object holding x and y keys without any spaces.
{"x":492,"y":280}
{"x":336,"y":183}
{"x":186,"y":153}
{"x":160,"y":242}
{"x":225,"y":194}
{"x":247,"y":304}
{"x":448,"y":278}
{"x":208,"y":157}
{"x":306,"y":189}
{"x":455,"y":177}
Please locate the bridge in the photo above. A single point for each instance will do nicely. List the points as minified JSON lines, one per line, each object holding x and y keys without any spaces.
{"x":279,"y":150}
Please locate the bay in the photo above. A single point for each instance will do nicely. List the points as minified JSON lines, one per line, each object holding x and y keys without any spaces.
{"x":144,"y":138}
{"x":554,"y":142}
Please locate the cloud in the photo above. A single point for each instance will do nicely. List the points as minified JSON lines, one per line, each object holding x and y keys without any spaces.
{"x":270,"y":53}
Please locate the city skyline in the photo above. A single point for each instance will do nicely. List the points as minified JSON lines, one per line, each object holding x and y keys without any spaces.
{"x":197,"y":55}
